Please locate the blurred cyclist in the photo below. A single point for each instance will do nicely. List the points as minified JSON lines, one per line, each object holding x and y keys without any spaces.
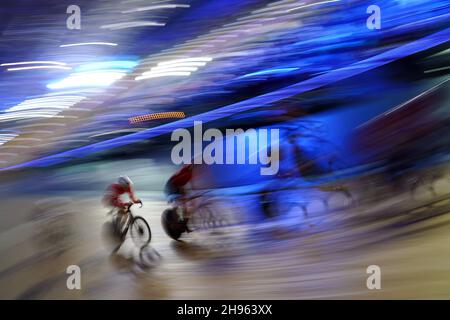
{"x":175,"y":189}
{"x":116,"y":190}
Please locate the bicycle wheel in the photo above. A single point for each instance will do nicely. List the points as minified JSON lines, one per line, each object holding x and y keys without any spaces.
{"x":209,"y":219}
{"x":140,"y":232}
{"x":200,"y":219}
{"x":171,"y":224}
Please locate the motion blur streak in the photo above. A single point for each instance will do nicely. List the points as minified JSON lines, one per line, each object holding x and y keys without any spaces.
{"x":88,"y":44}
{"x":5,"y":137}
{"x":312,"y":4}
{"x":133,"y":24}
{"x":257,"y":102}
{"x":45,"y":107}
{"x":39,"y":67}
{"x":161,"y":6}
{"x":178,"y":67}
{"x":32,"y":62}
{"x":87,"y":79}
{"x":199,"y":59}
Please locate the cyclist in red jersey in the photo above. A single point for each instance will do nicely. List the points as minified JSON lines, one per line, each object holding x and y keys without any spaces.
{"x":114,"y":192}
{"x":175,"y":188}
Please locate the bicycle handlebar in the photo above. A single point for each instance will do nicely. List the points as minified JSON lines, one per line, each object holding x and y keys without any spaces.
{"x":131,"y":204}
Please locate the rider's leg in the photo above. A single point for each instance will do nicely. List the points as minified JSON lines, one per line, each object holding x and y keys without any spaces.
{"x":186,"y":217}
{"x":174,"y":200}
{"x":184,"y":203}
{"x":122,"y":216}
{"x":177,"y":197}
{"x":186,"y":210}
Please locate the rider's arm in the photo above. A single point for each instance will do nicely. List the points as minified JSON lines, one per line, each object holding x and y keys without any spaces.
{"x":119,"y":203}
{"x":133,"y":197}
{"x":112,"y":198}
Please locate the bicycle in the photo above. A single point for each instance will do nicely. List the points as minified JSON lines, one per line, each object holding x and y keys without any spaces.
{"x":202,"y":218}
{"x":139,"y":229}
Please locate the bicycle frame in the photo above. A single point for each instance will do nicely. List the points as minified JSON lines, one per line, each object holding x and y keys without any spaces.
{"x":128,"y":213}
{"x":185,"y":202}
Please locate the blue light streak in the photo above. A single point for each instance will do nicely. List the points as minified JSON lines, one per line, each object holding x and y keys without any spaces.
{"x":256,"y":102}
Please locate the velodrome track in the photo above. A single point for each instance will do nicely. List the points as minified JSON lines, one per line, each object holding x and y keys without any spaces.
{"x":324,"y":255}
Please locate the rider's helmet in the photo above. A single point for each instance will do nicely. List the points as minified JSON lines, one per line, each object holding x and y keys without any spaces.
{"x":125,"y":182}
